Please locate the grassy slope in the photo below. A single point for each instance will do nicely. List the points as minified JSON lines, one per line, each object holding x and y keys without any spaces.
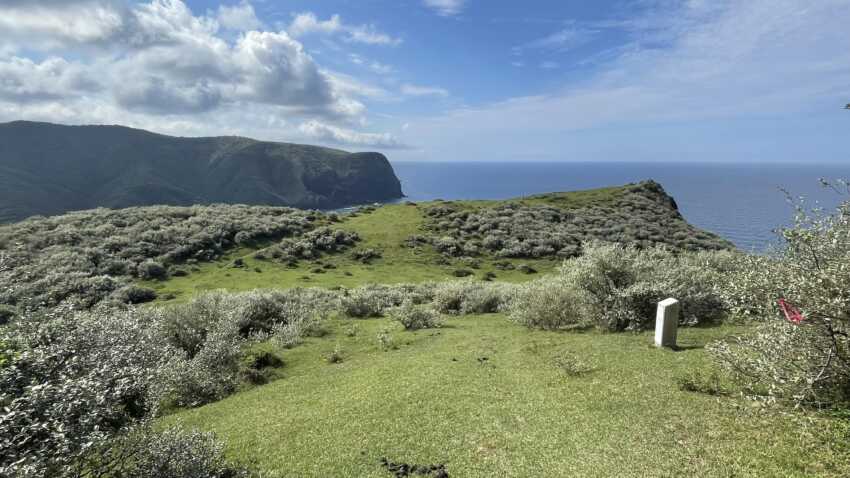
{"x":432,"y":401}
{"x":384,"y":229}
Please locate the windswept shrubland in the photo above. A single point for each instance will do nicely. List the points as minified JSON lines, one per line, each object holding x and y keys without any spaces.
{"x":641,"y":215}
{"x":93,"y":256}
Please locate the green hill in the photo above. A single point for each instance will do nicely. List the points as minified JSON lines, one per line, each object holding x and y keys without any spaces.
{"x":48,"y":169}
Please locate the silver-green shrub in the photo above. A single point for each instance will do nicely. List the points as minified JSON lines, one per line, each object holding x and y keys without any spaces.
{"x":548,"y":303}
{"x":805,"y":360}
{"x":470,"y":297}
{"x":415,"y":317}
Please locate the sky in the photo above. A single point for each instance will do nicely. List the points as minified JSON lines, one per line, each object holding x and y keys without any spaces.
{"x":447,"y":80}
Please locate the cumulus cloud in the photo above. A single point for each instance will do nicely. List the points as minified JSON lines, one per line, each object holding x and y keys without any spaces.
{"x":23,"y":80}
{"x":57,"y":24}
{"x":157,"y":65}
{"x":446,"y":8}
{"x":319,"y":131}
{"x":240,"y":17}
{"x":307,"y":23}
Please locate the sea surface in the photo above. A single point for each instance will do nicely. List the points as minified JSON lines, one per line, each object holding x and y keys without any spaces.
{"x":741,"y":202}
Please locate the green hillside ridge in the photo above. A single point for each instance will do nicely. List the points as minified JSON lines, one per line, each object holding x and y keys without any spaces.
{"x":48,"y":169}
{"x":408,"y":240}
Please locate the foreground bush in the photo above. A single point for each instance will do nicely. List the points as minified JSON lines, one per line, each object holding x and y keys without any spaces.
{"x":171,"y":453}
{"x":802,"y":354}
{"x":72,"y":382}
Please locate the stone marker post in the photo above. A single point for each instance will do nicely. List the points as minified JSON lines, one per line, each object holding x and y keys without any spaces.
{"x":666,"y":323}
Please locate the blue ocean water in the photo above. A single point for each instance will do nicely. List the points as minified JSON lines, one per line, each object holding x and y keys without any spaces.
{"x":741,"y":202}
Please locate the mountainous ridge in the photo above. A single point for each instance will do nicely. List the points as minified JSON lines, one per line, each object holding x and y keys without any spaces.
{"x":50,"y":169}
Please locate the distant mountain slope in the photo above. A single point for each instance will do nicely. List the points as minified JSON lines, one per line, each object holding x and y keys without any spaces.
{"x":49,"y":169}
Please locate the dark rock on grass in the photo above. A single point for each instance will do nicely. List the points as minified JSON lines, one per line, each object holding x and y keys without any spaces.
{"x":402,"y":470}
{"x":526,"y":269}
{"x":178,"y":272}
{"x":238,"y":263}
{"x":462,"y":273}
{"x":489,"y":276}
{"x":317,"y":270}
{"x":504,"y":266}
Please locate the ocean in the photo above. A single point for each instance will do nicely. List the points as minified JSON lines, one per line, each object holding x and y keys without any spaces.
{"x":741,"y":202}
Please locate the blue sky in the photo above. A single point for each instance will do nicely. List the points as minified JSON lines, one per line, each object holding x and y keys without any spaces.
{"x":642,"y":80}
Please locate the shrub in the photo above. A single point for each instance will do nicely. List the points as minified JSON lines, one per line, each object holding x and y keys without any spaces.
{"x":7,"y":314}
{"x":95,"y":374}
{"x":550,"y":304}
{"x":620,"y":286}
{"x":699,"y":381}
{"x":133,"y":294}
{"x":385,"y":339}
{"x":171,"y":453}
{"x":152,"y":270}
{"x":365,"y":255}
{"x":371,"y":300}
{"x":415,"y":317}
{"x":468,"y":297}
{"x":804,"y":358}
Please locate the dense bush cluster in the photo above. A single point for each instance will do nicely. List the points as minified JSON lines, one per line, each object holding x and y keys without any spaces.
{"x":642,"y":215}
{"x":85,"y":257}
{"x":74,"y":381}
{"x":312,"y":245}
{"x":616,"y":287}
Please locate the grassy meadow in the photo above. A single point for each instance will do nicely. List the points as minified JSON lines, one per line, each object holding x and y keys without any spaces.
{"x":384,"y":229}
{"x":485,"y":397}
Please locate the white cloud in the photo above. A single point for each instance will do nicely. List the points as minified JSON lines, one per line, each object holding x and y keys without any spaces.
{"x":23,"y":80}
{"x":550,"y":65}
{"x":54,"y":24}
{"x":157,"y":65}
{"x":307,"y":23}
{"x":561,"y":40}
{"x":414,"y":90}
{"x":446,"y":8}
{"x":374,"y":66}
{"x":240,"y":17}
{"x":334,"y":135}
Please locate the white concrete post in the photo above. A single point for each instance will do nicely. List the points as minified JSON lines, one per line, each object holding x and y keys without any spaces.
{"x":666,"y":323}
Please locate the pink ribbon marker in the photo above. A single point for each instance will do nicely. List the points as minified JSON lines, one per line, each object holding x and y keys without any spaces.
{"x":792,"y":314}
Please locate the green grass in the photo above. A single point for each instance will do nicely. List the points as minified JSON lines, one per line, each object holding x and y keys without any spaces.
{"x":385,"y":229}
{"x":436,"y":400}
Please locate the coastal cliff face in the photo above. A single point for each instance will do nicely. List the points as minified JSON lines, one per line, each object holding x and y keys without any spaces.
{"x":48,"y":169}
